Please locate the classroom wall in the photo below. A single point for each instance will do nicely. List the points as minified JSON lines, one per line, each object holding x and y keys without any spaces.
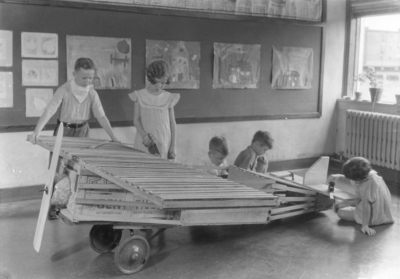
{"x":22,"y":164}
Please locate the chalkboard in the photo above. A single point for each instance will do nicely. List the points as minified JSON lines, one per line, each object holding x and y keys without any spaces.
{"x":196,"y":105}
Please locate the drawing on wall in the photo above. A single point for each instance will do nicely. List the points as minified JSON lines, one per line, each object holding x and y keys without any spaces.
{"x":293,"y":9}
{"x":236,"y":66}
{"x":6,"y":48}
{"x":40,"y":72}
{"x":37,"y":100}
{"x":111,"y":57}
{"x":292,"y":68}
{"x":183,"y":59}
{"x":39,"y":45}
{"x":6,"y":90}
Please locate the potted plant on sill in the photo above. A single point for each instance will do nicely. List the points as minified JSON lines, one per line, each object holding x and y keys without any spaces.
{"x":375,"y":83}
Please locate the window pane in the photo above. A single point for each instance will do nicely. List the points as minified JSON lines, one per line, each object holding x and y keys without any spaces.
{"x":380,"y":50}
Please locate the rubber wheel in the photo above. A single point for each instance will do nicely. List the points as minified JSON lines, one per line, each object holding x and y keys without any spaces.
{"x":132,"y":254}
{"x":103,"y":238}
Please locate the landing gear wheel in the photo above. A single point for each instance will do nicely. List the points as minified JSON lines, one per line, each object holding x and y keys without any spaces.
{"x":103,"y":238}
{"x":132,"y":254}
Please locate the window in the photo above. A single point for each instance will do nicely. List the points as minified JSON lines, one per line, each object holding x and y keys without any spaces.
{"x":377,"y":41}
{"x":392,"y":78}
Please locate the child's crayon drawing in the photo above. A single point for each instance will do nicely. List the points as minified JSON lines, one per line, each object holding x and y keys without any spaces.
{"x":111,"y":57}
{"x":183,"y":59}
{"x":292,"y":68}
{"x":236,"y":66}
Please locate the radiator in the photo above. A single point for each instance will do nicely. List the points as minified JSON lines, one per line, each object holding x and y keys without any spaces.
{"x":374,"y":136}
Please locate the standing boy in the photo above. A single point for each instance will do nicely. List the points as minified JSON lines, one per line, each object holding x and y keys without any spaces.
{"x":77,"y":97}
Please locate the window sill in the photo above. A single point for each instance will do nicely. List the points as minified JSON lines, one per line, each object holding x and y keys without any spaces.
{"x":345,"y":104}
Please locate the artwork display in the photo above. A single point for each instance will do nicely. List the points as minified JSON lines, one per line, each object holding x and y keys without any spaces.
{"x":39,"y":45}
{"x":236,"y":66}
{"x":6,"y":90}
{"x":111,"y":57}
{"x":37,"y":100}
{"x":40,"y":72}
{"x":183,"y":59}
{"x":292,"y":68}
{"x":6,"y":48}
{"x":310,"y":10}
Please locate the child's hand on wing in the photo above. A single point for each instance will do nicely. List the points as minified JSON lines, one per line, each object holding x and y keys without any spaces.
{"x":333,"y":178}
{"x":171,"y":153}
{"x":368,"y":230}
{"x":147,"y":140}
{"x":33,"y":138}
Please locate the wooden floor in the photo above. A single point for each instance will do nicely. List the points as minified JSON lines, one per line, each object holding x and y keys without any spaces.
{"x":315,"y":245}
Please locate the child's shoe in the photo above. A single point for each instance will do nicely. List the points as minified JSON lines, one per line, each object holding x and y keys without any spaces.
{"x":52,"y":215}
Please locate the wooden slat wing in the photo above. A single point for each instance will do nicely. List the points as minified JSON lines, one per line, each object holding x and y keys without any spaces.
{"x":167,"y":184}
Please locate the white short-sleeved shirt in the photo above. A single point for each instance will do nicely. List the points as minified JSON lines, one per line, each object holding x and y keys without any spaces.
{"x":72,"y":111}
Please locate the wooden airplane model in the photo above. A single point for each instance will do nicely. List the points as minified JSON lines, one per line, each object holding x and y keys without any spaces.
{"x":116,"y":187}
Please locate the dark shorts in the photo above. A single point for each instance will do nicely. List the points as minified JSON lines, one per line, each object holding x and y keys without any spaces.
{"x":81,"y":132}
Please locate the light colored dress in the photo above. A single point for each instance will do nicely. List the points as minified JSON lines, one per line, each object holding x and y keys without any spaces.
{"x":375,"y":191}
{"x":154,"y":116}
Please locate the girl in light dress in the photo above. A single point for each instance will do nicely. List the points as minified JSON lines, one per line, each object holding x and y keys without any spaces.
{"x":374,"y":200}
{"x":154,"y":116}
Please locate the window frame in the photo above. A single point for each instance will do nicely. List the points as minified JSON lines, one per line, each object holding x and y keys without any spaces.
{"x":354,"y":45}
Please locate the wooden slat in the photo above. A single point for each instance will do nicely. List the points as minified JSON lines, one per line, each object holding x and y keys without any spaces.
{"x":157,"y":221}
{"x":224,"y":216}
{"x":297,"y":199}
{"x":98,"y":186}
{"x":115,"y":203}
{"x":292,"y":207}
{"x":293,"y":189}
{"x":281,"y":216}
{"x":219,"y":203}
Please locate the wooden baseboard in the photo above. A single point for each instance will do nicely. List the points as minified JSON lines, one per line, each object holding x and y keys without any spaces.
{"x":21,"y":193}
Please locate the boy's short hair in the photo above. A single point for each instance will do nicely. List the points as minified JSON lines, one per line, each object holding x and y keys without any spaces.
{"x":157,"y":70}
{"x":264,"y":138}
{"x":219,"y":144}
{"x":84,"y":63}
{"x":356,"y":168}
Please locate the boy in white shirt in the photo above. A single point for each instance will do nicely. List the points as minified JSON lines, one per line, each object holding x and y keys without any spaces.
{"x":77,"y":98}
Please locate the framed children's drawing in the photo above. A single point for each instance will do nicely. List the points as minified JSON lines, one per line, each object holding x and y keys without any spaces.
{"x":6,"y":90}
{"x":183,"y":59}
{"x":236,"y":66}
{"x":36,"y":100}
{"x":292,"y":67}
{"x":39,"y":45}
{"x":6,"y":48}
{"x":111,"y":57}
{"x":40,"y":72}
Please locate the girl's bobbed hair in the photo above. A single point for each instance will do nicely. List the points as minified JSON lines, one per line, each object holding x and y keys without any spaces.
{"x":157,"y":70}
{"x":356,"y":168}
